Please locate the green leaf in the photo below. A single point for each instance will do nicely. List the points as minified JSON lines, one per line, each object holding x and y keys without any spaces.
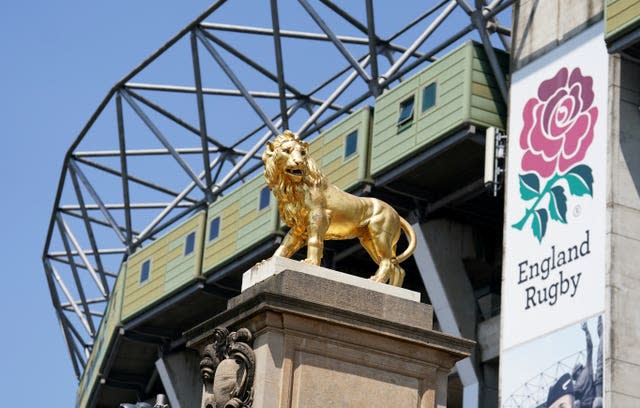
{"x":558,"y":204}
{"x":539,"y":223}
{"x":580,"y":180}
{"x":529,"y":186}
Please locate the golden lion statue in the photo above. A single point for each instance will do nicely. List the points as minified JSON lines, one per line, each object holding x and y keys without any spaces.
{"x":317,"y":210}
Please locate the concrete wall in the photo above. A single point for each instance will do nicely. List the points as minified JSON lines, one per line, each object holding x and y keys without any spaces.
{"x":541,"y":25}
{"x":622,"y":354}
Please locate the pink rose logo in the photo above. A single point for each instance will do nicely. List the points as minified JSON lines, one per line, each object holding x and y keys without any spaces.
{"x":558,"y":124}
{"x":558,"y":130}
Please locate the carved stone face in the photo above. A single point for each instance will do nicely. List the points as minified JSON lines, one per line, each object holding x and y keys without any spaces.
{"x":225,"y":381}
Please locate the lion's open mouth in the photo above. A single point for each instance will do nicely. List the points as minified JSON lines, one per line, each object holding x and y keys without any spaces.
{"x":295,"y":172}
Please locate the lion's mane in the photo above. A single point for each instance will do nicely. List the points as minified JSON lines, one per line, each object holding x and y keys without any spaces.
{"x":291,"y":196}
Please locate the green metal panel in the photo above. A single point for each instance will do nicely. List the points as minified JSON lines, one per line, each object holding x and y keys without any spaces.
{"x":391,"y":142}
{"x":328,"y":150}
{"x":106,"y":331}
{"x":170,"y":268}
{"x":242,"y":224}
{"x":466,"y":93}
{"x":487,"y":106}
{"x":621,"y":17}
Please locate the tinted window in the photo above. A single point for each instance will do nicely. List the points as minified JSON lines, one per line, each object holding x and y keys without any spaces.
{"x":351,"y":144}
{"x":189,"y":243}
{"x":429,"y":96}
{"x":145,"y":269}
{"x":214,"y":228}
{"x":265,"y":197}
{"x":406,"y":111}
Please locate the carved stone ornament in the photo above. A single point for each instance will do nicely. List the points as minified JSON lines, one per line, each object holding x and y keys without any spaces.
{"x":227,"y":370}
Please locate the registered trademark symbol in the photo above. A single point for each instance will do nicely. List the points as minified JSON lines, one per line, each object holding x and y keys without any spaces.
{"x":577,"y":210}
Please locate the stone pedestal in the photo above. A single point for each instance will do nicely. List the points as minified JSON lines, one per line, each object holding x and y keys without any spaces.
{"x":326,"y":339}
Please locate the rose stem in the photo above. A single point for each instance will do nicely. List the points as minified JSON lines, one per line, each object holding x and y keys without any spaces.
{"x":520,"y":224}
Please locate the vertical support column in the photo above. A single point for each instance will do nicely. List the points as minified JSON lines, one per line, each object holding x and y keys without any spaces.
{"x":180,"y":376}
{"x":622,"y":323}
{"x":440,"y":247}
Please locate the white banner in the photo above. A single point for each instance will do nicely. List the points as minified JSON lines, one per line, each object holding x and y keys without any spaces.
{"x":554,"y":249}
{"x":554,"y":237}
{"x":555,"y":215}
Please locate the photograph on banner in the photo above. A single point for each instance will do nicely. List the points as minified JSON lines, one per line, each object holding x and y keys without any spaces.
{"x":561,"y":369}
{"x":555,"y":203}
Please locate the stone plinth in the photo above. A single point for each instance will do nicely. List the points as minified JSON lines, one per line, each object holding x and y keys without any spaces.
{"x":321,"y":342}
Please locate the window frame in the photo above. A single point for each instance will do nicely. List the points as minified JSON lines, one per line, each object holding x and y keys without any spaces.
{"x":433,"y":84}
{"x":148,"y":278}
{"x":219,"y":227}
{"x":408,"y":121}
{"x":346,"y":156}
{"x":260,"y":196}
{"x":192,"y":235}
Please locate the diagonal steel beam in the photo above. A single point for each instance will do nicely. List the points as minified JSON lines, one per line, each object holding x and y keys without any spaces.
{"x":206,"y":91}
{"x":80,"y":266}
{"x":92,"y":313}
{"x":373,"y":49}
{"x":480,"y":22}
{"x":147,"y":232}
{"x":418,"y":19}
{"x":91,"y":236}
{"x":346,"y":16}
{"x":465,"y":6}
{"x":143,"y":152}
{"x":103,"y":251}
{"x":77,"y":339}
{"x":421,"y":39}
{"x":131,"y":178}
{"x":415,"y":63}
{"x":83,"y":316}
{"x":96,"y":198}
{"x":301,"y":35}
{"x":158,"y":134}
{"x":232,"y":76}
{"x":253,"y":64}
{"x":124,"y":177}
{"x":202,"y":120}
{"x":336,"y":93}
{"x":236,"y":169}
{"x":277,"y":45}
{"x":89,"y":301}
{"x":324,"y":27}
{"x":83,"y":256}
{"x":94,"y":220}
{"x":59,"y":313}
{"x":122,"y":206}
{"x":170,"y":115}
{"x":494,"y":23}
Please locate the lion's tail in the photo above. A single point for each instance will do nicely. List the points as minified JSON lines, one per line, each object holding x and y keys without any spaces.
{"x":411,"y":237}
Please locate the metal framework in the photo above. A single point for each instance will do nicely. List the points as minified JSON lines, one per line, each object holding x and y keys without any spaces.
{"x":533,"y":393}
{"x":187,"y":124}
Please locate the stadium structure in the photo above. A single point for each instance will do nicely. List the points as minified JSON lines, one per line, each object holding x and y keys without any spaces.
{"x":161,"y":204}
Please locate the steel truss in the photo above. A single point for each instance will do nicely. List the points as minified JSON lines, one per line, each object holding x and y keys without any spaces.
{"x":156,"y":149}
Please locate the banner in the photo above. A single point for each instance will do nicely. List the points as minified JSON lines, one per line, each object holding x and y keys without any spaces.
{"x":555,"y":203}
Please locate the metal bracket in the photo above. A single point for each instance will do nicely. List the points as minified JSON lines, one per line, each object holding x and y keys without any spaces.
{"x":494,"y":158}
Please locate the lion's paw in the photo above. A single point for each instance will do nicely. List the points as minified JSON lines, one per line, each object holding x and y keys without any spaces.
{"x":378,"y":279}
{"x":310,"y":261}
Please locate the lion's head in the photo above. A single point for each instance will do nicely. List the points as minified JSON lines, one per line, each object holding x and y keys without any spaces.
{"x":287,"y":162}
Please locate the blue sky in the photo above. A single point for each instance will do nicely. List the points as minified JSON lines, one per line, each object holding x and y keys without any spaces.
{"x":57,"y":61}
